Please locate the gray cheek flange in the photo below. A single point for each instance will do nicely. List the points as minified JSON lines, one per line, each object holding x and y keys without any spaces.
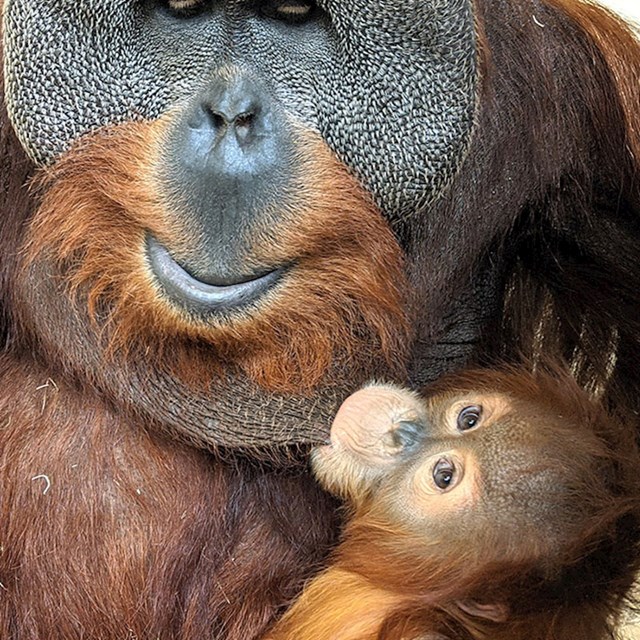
{"x":72,"y":67}
{"x":391,"y":87}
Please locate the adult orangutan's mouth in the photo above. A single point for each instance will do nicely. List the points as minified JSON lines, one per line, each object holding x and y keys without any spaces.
{"x":207,"y":297}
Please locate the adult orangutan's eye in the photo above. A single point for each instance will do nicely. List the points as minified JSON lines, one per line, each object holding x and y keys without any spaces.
{"x":291,"y":11}
{"x":186,"y":8}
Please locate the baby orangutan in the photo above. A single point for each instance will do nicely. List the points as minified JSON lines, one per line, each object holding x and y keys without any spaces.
{"x":482,"y":511}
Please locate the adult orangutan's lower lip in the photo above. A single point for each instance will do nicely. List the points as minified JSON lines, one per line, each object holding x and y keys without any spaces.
{"x":203,"y":297}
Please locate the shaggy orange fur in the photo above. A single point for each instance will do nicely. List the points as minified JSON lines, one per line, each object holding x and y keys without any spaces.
{"x":342,"y":299}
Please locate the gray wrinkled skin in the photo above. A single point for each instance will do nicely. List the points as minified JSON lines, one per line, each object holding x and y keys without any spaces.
{"x":389,"y":84}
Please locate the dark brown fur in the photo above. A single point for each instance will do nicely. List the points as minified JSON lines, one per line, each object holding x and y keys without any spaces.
{"x":138,"y":537}
{"x":551,"y":188}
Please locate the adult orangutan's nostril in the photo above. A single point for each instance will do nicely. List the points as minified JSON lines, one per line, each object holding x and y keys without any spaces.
{"x":219,"y":121}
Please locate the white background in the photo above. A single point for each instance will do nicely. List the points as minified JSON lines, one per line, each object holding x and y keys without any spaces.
{"x":629,"y":8}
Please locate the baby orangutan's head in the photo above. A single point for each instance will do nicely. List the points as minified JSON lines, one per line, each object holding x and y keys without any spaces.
{"x":484,"y":460}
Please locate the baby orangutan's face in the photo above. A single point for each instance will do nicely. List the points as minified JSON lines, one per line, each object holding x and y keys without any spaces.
{"x":380,"y":430}
{"x":450,"y":464}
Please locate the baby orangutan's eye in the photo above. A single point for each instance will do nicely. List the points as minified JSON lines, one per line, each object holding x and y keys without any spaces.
{"x":469,"y":418}
{"x":445,"y":474}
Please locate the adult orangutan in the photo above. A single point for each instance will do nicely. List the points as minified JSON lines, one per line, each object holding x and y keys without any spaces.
{"x":221,"y":217}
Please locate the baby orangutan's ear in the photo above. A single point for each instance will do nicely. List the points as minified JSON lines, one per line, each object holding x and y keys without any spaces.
{"x":493,"y":612}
